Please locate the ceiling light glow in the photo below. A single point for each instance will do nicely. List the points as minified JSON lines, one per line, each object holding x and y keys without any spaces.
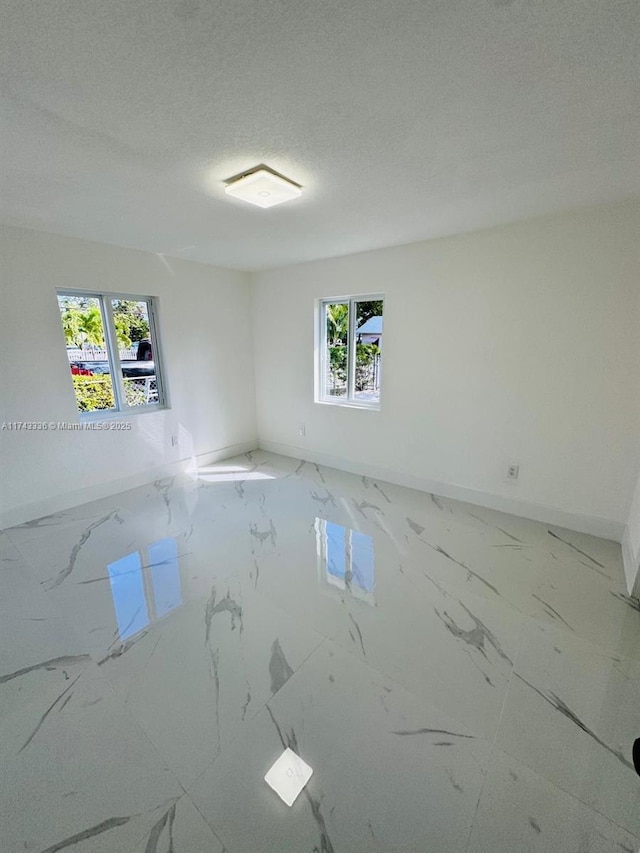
{"x":263,"y":188}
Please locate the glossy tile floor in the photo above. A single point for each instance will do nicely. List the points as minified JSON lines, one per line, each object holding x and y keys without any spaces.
{"x":458,"y":679}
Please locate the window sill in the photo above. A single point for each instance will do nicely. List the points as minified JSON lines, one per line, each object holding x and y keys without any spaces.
{"x":111,"y":415}
{"x":350,"y":404}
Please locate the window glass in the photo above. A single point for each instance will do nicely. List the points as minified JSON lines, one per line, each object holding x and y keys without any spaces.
{"x":135,"y":351}
{"x":83,"y":325}
{"x":337,"y":334}
{"x":368,"y":350}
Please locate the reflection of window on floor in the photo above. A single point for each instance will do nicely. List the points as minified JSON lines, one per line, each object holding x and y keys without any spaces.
{"x":145,"y":585}
{"x":345,"y":559}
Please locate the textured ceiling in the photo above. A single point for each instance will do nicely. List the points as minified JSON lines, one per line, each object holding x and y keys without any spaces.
{"x":402,"y":120}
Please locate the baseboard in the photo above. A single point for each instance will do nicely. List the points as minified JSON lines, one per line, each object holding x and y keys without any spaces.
{"x":631,"y":565}
{"x":59,"y":503}
{"x":605,"y":528}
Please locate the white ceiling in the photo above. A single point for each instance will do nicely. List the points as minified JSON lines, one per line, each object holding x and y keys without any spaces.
{"x":403,"y":120}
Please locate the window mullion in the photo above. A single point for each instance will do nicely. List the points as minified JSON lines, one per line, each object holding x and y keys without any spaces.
{"x":157,"y":357}
{"x":323,"y":351}
{"x":351,"y":352}
{"x":113,"y":353}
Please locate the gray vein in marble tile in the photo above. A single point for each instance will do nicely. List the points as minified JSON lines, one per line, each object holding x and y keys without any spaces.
{"x":77,"y":548}
{"x":45,"y":521}
{"x":123,"y":648}
{"x":65,"y":702}
{"x":556,"y":702}
{"x":534,"y":825}
{"x":409,"y":732}
{"x":225,"y":604}
{"x":417,"y":528}
{"x":250,"y":458}
{"x":49,"y":665}
{"x":279,"y":668}
{"x":470,"y":572}
{"x":156,"y":831}
{"x":510,"y":535}
{"x":366,"y":505}
{"x":215,"y":660}
{"x":357,"y":627}
{"x":474,"y":637}
{"x":46,"y":714}
{"x":436,"y":500}
{"x":246,"y":704}
{"x":324,"y":501}
{"x":164,"y":486}
{"x":239,"y":487}
{"x":110,"y":823}
{"x":578,"y":550}
{"x":263,"y":535}
{"x":478,"y":518}
{"x":458,"y":788}
{"x":551,"y":611}
{"x":318,"y":472}
{"x":300,"y":466}
{"x":630,"y":601}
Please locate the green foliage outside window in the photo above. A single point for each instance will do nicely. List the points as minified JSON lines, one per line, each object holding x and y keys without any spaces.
{"x":95,"y":393}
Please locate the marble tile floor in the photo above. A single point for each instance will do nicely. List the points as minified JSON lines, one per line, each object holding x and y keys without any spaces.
{"x":458,"y":679}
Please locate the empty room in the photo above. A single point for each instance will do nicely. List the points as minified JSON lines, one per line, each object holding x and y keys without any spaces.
{"x":320,"y":426}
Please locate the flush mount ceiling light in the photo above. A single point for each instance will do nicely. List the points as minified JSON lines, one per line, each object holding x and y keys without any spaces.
{"x":263,"y":188}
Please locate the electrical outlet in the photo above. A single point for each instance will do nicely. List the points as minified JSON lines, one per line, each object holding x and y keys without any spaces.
{"x":302,"y":430}
{"x":512,"y":472}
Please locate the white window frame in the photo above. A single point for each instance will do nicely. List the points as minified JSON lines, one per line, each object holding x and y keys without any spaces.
{"x":350,"y":400}
{"x":121,"y":408}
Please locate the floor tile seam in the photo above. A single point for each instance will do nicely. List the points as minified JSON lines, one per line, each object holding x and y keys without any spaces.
{"x":132,"y":718}
{"x":229,"y":743}
{"x":207,"y":823}
{"x":477,"y":808}
{"x":31,"y":569}
{"x":596,"y":647}
{"x":555,"y":784}
{"x":421,"y":702}
{"x":191,"y":787}
{"x":570,"y":632}
{"x":507,"y":689}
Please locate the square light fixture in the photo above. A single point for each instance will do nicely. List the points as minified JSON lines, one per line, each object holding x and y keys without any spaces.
{"x":263,"y":188}
{"x":288,"y":776}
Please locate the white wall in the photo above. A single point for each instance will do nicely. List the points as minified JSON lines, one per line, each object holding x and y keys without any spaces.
{"x":513,"y":344}
{"x":206,"y":341}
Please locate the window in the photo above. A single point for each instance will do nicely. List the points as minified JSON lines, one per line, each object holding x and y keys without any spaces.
{"x":350,"y":338}
{"x":112,"y":347}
